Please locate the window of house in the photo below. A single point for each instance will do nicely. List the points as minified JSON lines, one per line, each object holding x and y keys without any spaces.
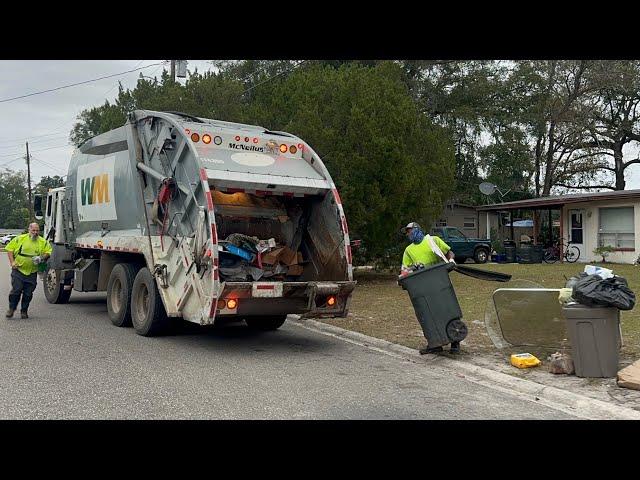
{"x":469,"y":222}
{"x":617,"y":228}
{"x":441,"y":222}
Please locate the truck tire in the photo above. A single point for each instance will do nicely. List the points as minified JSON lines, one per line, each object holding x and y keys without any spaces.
{"x":265,"y":323}
{"x":119,"y":289}
{"x":54,"y":291}
{"x":147,"y":311}
{"x":481,"y":255}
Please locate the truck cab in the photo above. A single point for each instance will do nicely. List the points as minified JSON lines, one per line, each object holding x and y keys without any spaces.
{"x":462,"y":246}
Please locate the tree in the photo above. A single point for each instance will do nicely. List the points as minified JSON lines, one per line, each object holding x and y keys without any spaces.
{"x":46,"y":183}
{"x":13,"y":191}
{"x":390,"y":164}
{"x":615,"y":119}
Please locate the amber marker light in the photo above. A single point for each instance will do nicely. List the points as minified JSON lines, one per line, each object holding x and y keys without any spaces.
{"x":331,"y":301}
{"x":293,"y":149}
{"x":284,"y":148}
{"x":221,"y":304}
{"x":206,"y":138}
{"x":232,"y":303}
{"x":195,"y":137}
{"x":100,"y":243}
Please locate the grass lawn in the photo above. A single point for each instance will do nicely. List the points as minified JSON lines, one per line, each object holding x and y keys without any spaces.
{"x":381,"y":308}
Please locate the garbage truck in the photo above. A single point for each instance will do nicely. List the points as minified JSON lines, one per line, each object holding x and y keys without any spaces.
{"x":178,"y":217}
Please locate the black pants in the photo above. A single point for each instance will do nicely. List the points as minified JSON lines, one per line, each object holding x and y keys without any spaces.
{"x":24,"y":285}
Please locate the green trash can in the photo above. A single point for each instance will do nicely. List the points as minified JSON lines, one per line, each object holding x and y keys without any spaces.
{"x":435,"y":304}
{"x":594,"y":336}
{"x":537,"y":253}
{"x":525,"y":253}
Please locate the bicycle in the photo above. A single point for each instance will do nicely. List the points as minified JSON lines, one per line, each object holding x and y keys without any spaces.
{"x":552,"y":254}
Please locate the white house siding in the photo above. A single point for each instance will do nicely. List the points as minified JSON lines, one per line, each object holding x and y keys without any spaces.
{"x":591,"y":223}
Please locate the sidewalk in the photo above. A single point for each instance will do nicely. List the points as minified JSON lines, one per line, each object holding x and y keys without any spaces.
{"x":589,"y":398}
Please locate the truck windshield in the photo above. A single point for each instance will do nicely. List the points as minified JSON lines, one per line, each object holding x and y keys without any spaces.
{"x":455,"y":233}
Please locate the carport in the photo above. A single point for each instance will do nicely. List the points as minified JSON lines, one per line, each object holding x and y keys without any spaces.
{"x":544,"y":206}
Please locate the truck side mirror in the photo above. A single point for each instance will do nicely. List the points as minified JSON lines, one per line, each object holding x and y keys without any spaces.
{"x":37,"y":206}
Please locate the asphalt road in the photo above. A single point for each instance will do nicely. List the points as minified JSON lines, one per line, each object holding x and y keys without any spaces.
{"x":70,"y":362}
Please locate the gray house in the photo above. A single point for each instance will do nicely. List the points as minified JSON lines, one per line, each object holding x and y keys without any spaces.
{"x":468,"y":219}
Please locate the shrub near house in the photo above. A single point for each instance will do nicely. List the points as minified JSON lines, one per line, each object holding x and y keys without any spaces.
{"x":462,"y":246}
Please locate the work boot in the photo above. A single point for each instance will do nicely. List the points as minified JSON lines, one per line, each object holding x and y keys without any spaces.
{"x":24,"y":314}
{"x":455,"y":347}
{"x":9,"y":313}
{"x":429,"y":349}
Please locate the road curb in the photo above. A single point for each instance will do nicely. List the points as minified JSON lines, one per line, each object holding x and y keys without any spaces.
{"x":570,"y":402}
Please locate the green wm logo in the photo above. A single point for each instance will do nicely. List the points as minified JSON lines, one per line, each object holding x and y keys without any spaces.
{"x":94,"y":190}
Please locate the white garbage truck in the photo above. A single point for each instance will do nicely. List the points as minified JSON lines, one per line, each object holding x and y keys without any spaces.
{"x":180,"y":217}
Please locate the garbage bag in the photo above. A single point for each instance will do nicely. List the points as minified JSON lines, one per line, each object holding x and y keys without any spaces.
{"x":572,"y":281}
{"x":593,"y":290}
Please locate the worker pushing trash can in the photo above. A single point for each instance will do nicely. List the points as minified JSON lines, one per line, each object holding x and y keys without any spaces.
{"x":426,"y":264}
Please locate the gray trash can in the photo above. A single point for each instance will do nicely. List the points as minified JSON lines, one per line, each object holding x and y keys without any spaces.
{"x":594,"y":336}
{"x":435,"y":304}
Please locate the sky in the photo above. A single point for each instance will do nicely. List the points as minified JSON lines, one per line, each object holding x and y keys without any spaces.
{"x":44,"y":119}
{"x":41,"y":99}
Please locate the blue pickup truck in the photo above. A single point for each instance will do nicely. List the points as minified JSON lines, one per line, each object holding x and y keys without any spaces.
{"x":464,"y":247}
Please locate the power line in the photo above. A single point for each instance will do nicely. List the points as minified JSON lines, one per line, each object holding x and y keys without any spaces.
{"x":11,"y":161}
{"x":80,"y":83}
{"x":37,"y":141}
{"x":274,"y":76}
{"x":24,"y":139}
{"x":47,"y":164}
{"x":41,"y":150}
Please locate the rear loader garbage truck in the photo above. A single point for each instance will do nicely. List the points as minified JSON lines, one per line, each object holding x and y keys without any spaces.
{"x":180,"y":217}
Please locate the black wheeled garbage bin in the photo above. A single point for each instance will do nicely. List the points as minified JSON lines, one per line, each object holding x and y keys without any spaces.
{"x":435,"y":304}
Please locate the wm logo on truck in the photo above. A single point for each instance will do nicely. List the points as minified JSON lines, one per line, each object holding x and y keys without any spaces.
{"x":96,"y":195}
{"x":94,"y":190}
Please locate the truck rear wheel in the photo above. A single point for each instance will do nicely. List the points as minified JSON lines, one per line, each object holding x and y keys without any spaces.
{"x":119,"y":289}
{"x":481,"y":255}
{"x":147,"y":311}
{"x":54,"y":291}
{"x":268,"y":322}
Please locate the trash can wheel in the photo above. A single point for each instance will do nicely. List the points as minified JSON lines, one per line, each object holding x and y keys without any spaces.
{"x":457,"y":330}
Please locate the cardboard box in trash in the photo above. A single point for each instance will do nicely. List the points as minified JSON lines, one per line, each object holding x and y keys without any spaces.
{"x":284,"y":256}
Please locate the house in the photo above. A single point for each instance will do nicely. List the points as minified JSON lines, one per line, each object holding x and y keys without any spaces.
{"x":467,"y":219}
{"x":588,"y":220}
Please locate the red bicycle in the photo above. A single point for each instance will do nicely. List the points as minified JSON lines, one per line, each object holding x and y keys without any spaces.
{"x":552,"y":253}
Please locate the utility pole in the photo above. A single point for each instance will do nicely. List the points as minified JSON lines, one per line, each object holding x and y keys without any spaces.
{"x":29,"y":185}
{"x":173,"y":70}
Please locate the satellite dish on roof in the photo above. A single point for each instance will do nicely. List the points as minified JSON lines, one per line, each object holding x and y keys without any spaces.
{"x":487,"y":188}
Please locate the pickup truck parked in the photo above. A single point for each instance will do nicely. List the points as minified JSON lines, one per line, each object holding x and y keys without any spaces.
{"x":464,"y":247}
